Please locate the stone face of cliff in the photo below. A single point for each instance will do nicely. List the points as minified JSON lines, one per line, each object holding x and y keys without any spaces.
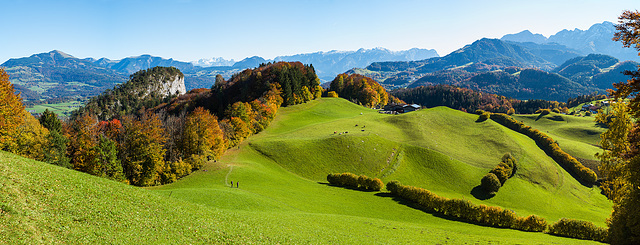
{"x":172,"y":85}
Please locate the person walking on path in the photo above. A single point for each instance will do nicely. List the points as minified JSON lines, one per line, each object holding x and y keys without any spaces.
{"x":237,"y":184}
{"x":232,"y":184}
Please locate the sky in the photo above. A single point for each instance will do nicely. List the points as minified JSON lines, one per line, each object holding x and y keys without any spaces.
{"x":188,"y":30}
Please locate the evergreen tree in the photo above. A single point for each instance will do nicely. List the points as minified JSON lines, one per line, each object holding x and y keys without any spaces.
{"x":105,"y":163}
{"x":50,"y":120}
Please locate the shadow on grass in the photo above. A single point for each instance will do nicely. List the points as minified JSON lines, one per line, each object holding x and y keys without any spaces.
{"x":416,"y":206}
{"x":345,"y":187}
{"x":480,"y":193}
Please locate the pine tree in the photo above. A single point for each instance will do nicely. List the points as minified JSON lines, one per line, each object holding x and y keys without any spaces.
{"x":105,"y":163}
{"x":50,"y":120}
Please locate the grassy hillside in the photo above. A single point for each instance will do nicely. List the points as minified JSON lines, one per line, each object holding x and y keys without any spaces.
{"x":283,"y":196}
{"x":578,"y":136}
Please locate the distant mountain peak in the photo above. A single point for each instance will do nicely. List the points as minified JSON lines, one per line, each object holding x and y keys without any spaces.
{"x":525,"y":36}
{"x":63,"y":54}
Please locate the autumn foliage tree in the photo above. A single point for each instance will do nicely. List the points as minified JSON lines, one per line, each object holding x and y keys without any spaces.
{"x":360,"y":89}
{"x":624,"y":169}
{"x":12,"y":111}
{"x":203,"y":138}
{"x":141,"y":150}
{"x":82,"y":134}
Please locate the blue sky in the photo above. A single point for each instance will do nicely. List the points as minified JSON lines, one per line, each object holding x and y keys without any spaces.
{"x":188,"y":30}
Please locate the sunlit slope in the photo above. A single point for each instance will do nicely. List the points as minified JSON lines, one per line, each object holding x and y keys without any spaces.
{"x":42,"y":203}
{"x":578,"y":136}
{"x":440,"y":149}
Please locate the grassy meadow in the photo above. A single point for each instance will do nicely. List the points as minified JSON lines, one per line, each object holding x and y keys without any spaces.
{"x":283,"y":196}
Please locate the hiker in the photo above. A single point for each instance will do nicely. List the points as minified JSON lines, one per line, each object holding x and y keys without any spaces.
{"x":232,"y":184}
{"x":356,"y":125}
{"x":237,"y":184}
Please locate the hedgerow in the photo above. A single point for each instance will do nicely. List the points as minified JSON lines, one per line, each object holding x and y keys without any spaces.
{"x":354,"y":181}
{"x":465,"y":210}
{"x":499,"y":174}
{"x":546,"y":143}
{"x":578,"y":229}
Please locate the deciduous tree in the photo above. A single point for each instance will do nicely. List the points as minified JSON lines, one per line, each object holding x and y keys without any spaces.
{"x":11,"y":110}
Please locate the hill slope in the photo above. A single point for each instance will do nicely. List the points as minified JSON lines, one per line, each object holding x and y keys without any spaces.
{"x":282,"y":202}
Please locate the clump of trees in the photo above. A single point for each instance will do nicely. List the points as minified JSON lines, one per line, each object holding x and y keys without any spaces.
{"x":496,"y":178}
{"x":362,"y":182}
{"x":583,"y":174}
{"x":469,"y":100}
{"x":362,"y":90}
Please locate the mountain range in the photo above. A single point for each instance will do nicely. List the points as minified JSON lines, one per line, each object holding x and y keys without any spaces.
{"x":49,"y":77}
{"x":596,"y":39}
{"x":55,"y":76}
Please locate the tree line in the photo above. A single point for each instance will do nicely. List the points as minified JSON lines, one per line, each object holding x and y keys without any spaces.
{"x":469,"y":100}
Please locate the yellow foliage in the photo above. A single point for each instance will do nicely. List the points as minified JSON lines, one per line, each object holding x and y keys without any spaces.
{"x":30,"y":139}
{"x":12,"y":111}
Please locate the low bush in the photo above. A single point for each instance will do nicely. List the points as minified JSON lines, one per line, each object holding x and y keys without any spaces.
{"x":490,"y":183}
{"x":484,"y":116}
{"x":496,"y":178}
{"x":354,"y":181}
{"x":543,"y":112}
{"x":546,"y":143}
{"x":479,"y":112}
{"x":578,"y":229}
{"x":531,"y":223}
{"x":332,"y":94}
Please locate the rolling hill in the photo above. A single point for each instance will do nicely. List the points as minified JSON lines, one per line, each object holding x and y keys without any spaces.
{"x":283,"y":196}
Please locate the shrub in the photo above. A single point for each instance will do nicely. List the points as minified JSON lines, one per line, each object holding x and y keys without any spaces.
{"x":484,"y":116}
{"x":578,"y":229}
{"x":332,"y":94}
{"x":543,"y":112}
{"x":530,"y":223}
{"x":392,"y":186}
{"x":363,"y":182}
{"x":490,"y":183}
{"x":479,"y":112}
{"x":587,"y":114}
{"x":511,"y":111}
{"x":354,"y":181}
{"x":376,"y":184}
{"x":555,"y":110}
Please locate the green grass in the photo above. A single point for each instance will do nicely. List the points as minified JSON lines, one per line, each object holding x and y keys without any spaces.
{"x":62,"y":109}
{"x":578,"y":136}
{"x":283,"y":196}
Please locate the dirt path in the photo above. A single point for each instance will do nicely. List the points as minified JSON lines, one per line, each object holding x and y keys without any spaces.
{"x":226,"y":178}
